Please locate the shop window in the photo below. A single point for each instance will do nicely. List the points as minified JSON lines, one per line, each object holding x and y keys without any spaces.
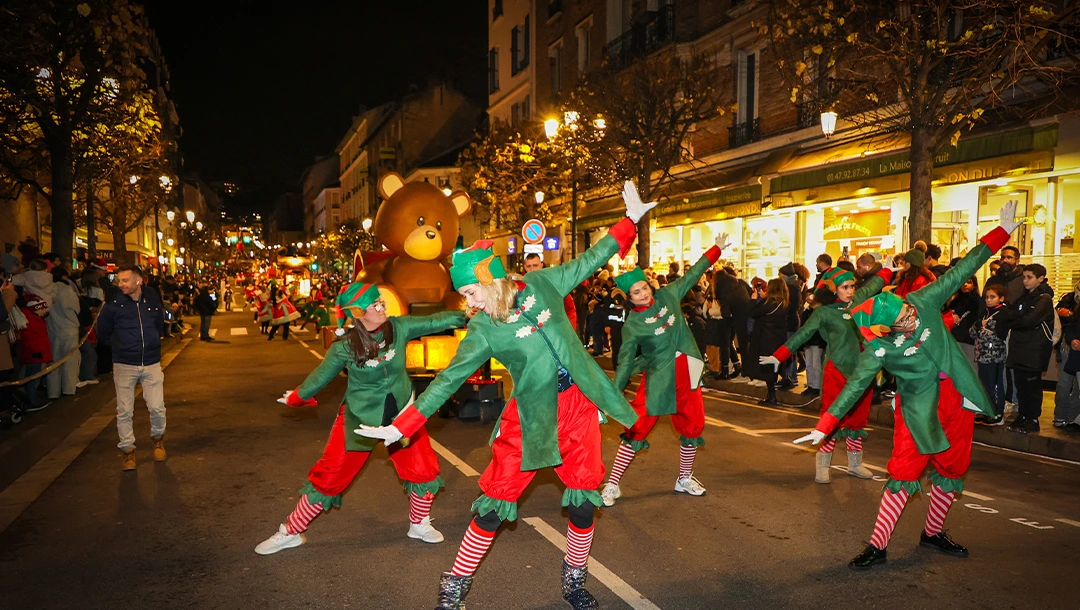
{"x":555,"y":60}
{"x":493,"y":70}
{"x":583,"y":33}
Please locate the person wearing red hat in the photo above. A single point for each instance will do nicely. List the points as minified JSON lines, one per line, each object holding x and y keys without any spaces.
{"x":937,"y":399}
{"x":552,"y":420}
{"x":372,"y":353}
{"x":836,"y":295}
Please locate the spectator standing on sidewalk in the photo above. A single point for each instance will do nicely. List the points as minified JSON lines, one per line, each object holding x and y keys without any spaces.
{"x":1009,"y":273}
{"x":207,"y":306}
{"x":132,"y":325}
{"x":990,"y":353}
{"x":91,"y":299}
{"x":968,"y":307}
{"x":1029,"y":324}
{"x":63,"y":322}
{"x":769,"y":313}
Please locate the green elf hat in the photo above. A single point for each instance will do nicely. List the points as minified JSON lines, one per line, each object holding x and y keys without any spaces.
{"x":875,"y":316}
{"x":628,"y":279}
{"x":476,"y":264}
{"x":833,"y":278}
{"x":357,"y":295}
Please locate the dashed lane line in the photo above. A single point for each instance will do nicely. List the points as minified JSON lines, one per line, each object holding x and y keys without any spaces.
{"x":238,"y":330}
{"x":304,"y":344}
{"x":316,"y":354}
{"x":1030,"y":455}
{"x":19,"y":495}
{"x":1068,"y":522}
{"x":453,"y":459}
{"x":213,"y":332}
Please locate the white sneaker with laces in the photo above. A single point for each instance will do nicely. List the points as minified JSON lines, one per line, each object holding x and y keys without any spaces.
{"x":689,"y":485}
{"x":424,"y":531}
{"x":281,"y":540}
{"x":610,"y":493}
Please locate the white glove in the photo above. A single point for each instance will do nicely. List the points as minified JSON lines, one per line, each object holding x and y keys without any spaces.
{"x":285,"y":397}
{"x":814,"y":437}
{"x":1008,"y":216}
{"x":387,"y":434}
{"x":763,"y":360}
{"x":723,"y":241}
{"x":635,"y":209}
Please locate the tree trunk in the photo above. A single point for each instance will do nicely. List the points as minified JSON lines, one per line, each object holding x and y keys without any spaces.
{"x":644,"y":233}
{"x":922,"y":171}
{"x":121,"y":256}
{"x":61,"y":203}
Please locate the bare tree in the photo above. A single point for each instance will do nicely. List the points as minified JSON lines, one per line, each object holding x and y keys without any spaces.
{"x":924,"y":70}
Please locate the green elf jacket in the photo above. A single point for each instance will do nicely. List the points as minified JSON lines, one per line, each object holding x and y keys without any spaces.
{"x":660,"y":330}
{"x":527,"y":344}
{"x":371,"y":382}
{"x":835,"y":325}
{"x":917,"y":358}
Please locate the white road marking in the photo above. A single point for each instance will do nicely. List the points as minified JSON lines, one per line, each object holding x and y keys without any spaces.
{"x":213,"y":332}
{"x":1030,"y":523}
{"x":1030,"y":455}
{"x":304,"y":344}
{"x":238,"y":330}
{"x":316,"y":354}
{"x":19,"y":495}
{"x":784,"y":431}
{"x":1068,"y":522}
{"x":453,"y":459}
{"x":968,"y":492}
{"x":618,"y":586}
{"x":297,"y":329}
{"x":723,"y":424}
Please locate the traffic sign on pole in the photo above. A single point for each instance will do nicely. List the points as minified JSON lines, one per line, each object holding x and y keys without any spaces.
{"x":533,"y":231}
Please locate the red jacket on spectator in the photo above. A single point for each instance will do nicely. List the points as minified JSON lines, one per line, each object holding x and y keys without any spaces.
{"x":33,"y":345}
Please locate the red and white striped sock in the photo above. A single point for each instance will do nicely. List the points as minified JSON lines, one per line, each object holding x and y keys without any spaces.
{"x":472,"y":550}
{"x":892,"y":504}
{"x":828,"y":446}
{"x":854,"y":445}
{"x":622,"y":462}
{"x":302,"y":515}
{"x":578,"y":544}
{"x":940,"y":501}
{"x":686,"y":461}
{"x":419,"y":508}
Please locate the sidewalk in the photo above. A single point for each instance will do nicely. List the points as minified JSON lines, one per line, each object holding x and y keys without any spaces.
{"x":1049,"y":442}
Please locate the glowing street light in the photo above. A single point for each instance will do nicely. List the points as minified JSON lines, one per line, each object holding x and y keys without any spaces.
{"x":170,"y":215}
{"x":133,"y":179}
{"x":366,"y":224}
{"x":447,"y":192}
{"x":190,"y":216}
{"x":160,"y":235}
{"x":166,"y":183}
{"x":199,"y":225}
{"x":539,"y":197}
{"x":828,"y":123}
{"x":181,"y":249}
{"x":551,"y":127}
{"x":170,"y":241}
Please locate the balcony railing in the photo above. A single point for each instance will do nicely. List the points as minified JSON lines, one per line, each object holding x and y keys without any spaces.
{"x":741,"y":134}
{"x":643,"y":38}
{"x":809,"y":114}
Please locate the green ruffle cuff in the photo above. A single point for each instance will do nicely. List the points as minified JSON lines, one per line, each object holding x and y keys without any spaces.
{"x":423,"y":489}
{"x":635,"y":446}
{"x":946,"y":484}
{"x":314,"y":496}
{"x":691,"y":442}
{"x":506,"y":510}
{"x":912,"y":487}
{"x":843,"y":433}
{"x":578,"y":497}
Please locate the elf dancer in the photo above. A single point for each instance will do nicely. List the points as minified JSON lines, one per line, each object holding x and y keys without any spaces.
{"x":672,"y":364}
{"x":373,"y":354}
{"x":836,"y":294}
{"x":551,"y":419}
{"x":264,"y":313}
{"x":282,"y":313}
{"x":934,"y":421}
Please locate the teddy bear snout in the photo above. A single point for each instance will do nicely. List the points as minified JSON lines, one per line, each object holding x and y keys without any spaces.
{"x":430,"y":234}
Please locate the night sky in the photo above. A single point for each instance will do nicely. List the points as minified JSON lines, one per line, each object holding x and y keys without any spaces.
{"x":263,"y":87}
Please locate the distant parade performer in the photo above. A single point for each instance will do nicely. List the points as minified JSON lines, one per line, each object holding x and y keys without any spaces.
{"x":373,"y":354}
{"x":553,"y":417}
{"x":263,"y":312}
{"x":672,"y":363}
{"x":282,"y":312}
{"x":836,"y":295}
{"x":315,"y":311}
{"x":934,"y":420}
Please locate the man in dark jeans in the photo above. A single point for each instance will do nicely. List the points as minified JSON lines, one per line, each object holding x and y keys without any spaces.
{"x":206,"y":305}
{"x":1031,"y":322}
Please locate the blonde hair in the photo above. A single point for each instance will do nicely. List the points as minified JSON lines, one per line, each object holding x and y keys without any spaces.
{"x":499,"y":297}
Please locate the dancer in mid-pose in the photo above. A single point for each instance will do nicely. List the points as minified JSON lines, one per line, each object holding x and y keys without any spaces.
{"x":937,"y":398}
{"x":552,"y":419}
{"x":836,"y":295}
{"x":373,"y":354}
{"x":671,"y":381}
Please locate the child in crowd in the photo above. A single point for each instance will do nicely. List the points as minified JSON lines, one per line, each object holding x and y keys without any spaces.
{"x":990,"y":353}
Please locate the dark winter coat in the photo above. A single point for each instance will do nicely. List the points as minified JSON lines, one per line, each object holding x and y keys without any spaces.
{"x":795,"y":304}
{"x":1029,"y":324}
{"x":133,"y":328}
{"x":205,"y":304}
{"x":967,"y":307}
{"x":734,"y":298}
{"x":989,"y":347}
{"x":769,"y":334}
{"x":1069,"y":333}
{"x":1012,"y":280}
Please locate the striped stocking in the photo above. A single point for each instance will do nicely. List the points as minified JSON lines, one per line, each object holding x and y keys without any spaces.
{"x":940,"y":501}
{"x":686,"y":461}
{"x":622,"y":462}
{"x":892,"y":504}
{"x":578,"y":544}
{"x":472,"y":550}
{"x":854,"y":445}
{"x":419,"y":508}
{"x":302,"y":515}
{"x":828,"y":446}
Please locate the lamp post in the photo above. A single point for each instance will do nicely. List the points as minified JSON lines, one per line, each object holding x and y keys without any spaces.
{"x":166,"y":183}
{"x":551,"y":130}
{"x":828,"y":123}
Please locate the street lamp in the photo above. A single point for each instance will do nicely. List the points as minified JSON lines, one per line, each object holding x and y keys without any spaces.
{"x":190,"y":216}
{"x":551,"y":128}
{"x":133,"y":179}
{"x":166,"y":183}
{"x":366,"y":224}
{"x":160,"y":235}
{"x":199,"y":225}
{"x":539,"y":197}
{"x":828,"y":123}
{"x":170,"y":241}
{"x":181,"y":249}
{"x":170,"y":215}
{"x":183,"y":225}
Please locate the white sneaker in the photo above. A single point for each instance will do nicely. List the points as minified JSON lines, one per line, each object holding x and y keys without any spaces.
{"x":689,"y":485}
{"x":740,"y":379}
{"x":279,"y":541}
{"x":424,"y":531}
{"x":757,"y":383}
{"x":610,"y":493}
{"x":83,"y":384}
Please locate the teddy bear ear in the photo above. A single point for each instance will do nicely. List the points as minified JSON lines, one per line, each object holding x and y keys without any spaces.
{"x":461,"y":201}
{"x":389,"y":184}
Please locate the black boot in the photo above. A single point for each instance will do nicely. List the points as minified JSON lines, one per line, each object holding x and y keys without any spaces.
{"x":865,"y":560}
{"x":573,"y":587}
{"x":452,"y":591}
{"x":770,"y":398}
{"x":943,"y":543}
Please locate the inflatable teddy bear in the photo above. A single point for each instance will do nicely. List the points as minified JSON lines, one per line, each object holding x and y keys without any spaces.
{"x":418,"y":224}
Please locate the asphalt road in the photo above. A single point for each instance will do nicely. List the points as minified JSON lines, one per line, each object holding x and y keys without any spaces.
{"x":180,"y":534}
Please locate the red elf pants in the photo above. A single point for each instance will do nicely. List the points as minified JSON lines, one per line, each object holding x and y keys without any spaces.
{"x":689,"y":417}
{"x":907,"y":464}
{"x":831,"y":383}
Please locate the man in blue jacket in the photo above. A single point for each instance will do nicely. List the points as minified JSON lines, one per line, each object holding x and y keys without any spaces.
{"x":132,"y":324}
